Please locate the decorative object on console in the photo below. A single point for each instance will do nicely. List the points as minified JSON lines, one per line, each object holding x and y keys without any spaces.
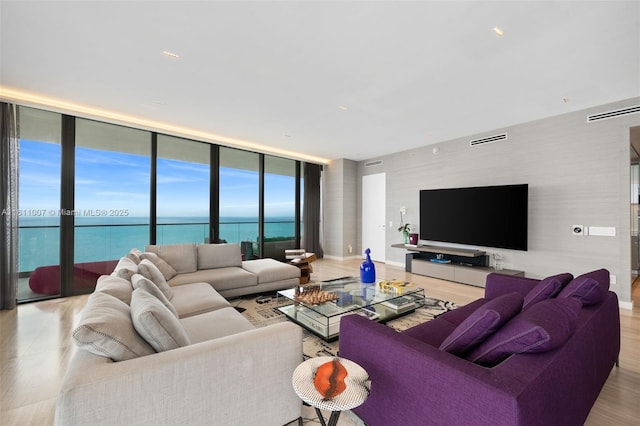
{"x":367,"y":269}
{"x":405,"y":228}
{"x":413,"y":239}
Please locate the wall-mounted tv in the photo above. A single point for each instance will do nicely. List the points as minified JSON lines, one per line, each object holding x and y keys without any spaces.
{"x":487,"y":216}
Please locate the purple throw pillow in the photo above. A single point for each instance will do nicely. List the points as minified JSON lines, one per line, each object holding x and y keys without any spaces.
{"x":483,"y":322}
{"x":546,"y":289}
{"x":587,"y":290}
{"x":600,"y":275}
{"x":543,"y":327}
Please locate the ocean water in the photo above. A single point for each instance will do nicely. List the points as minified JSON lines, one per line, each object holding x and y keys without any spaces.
{"x":107,"y":238}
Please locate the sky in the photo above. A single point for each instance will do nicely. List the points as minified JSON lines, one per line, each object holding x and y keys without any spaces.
{"x":116,"y":185}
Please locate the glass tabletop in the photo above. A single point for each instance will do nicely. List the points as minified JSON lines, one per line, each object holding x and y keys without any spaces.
{"x":349,"y":294}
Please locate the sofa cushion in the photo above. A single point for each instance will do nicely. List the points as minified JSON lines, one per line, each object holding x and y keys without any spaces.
{"x":167,"y":270}
{"x":155,"y":323}
{"x":483,"y":322}
{"x":544,"y":326}
{"x":117,"y":287}
{"x":587,"y":291}
{"x":546,"y":289}
{"x":211,"y":256}
{"x":587,"y":288}
{"x":600,"y":275}
{"x":106,"y":329}
{"x":140,"y":281}
{"x":151,"y":272}
{"x":220,"y":278}
{"x":215,"y":324}
{"x":196,"y":298}
{"x":125,"y":268}
{"x":182,"y":257}
{"x":271,"y":270}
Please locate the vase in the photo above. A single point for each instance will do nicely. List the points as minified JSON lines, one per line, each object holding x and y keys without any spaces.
{"x":405,"y":234}
{"x":367,"y":269}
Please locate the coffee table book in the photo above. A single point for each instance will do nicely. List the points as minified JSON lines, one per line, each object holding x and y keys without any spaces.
{"x":397,"y":286}
{"x":323,"y":324}
{"x":400,"y":303}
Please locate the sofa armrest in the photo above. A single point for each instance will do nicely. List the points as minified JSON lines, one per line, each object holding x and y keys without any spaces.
{"x":243,"y":378}
{"x":425,"y":382}
{"x":498,"y":284}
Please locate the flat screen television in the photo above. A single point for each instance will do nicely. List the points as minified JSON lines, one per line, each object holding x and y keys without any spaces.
{"x":487,"y":216}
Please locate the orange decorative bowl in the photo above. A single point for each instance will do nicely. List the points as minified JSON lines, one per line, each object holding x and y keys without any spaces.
{"x":329,"y":379}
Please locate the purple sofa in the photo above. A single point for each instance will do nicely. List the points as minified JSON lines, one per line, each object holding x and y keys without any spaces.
{"x":413,"y":382}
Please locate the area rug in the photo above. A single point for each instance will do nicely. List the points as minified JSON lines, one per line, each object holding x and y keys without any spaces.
{"x":262,"y":310}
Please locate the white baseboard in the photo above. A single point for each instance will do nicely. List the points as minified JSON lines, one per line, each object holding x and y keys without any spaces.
{"x":625,"y":305}
{"x":342,"y":258}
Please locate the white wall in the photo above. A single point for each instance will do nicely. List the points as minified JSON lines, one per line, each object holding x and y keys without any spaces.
{"x":340,"y":207}
{"x":578,"y":173}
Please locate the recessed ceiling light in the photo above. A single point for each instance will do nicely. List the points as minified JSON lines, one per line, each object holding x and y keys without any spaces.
{"x":498,"y":31}
{"x":170,"y":54}
{"x":343,"y":108}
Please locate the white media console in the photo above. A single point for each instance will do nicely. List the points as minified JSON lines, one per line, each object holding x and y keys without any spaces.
{"x":464,"y":265}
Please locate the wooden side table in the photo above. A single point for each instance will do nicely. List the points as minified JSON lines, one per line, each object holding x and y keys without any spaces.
{"x":303,"y":261}
{"x":357,"y":389}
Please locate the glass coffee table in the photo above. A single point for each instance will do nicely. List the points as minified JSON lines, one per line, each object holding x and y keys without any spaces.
{"x":319,"y":307}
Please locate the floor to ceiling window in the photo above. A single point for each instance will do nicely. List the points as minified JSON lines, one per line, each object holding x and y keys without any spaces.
{"x":182,"y":185}
{"x":111,"y":211}
{"x":239,"y":197}
{"x":39,"y":204}
{"x":88,"y":195}
{"x":279,"y":206}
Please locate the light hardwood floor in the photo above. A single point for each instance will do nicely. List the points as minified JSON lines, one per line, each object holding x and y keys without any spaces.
{"x":36,"y":346}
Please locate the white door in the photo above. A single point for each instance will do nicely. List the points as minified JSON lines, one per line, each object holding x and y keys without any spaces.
{"x":373,"y":215}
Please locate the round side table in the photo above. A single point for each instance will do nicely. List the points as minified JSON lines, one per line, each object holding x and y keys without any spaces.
{"x":357,"y":389}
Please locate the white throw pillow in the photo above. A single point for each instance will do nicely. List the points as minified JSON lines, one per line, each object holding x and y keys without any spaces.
{"x":106,"y":329}
{"x":159,"y":327}
{"x":115,"y":286}
{"x":134,"y":255}
{"x":139,"y":281}
{"x":151,"y":272}
{"x":167,"y":270}
{"x":125,"y":268}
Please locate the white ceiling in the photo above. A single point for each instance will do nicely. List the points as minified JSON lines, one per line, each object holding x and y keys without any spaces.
{"x":276,"y":72}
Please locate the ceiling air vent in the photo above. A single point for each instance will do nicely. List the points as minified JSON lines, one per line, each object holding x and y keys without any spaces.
{"x":490,"y":139}
{"x":613,"y":114}
{"x":373,"y":163}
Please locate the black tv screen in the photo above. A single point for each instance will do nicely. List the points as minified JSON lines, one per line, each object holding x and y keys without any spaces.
{"x":487,"y":216}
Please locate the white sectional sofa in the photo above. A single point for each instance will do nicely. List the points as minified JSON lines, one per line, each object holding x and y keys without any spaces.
{"x":158,"y":351}
{"x":221,"y":265}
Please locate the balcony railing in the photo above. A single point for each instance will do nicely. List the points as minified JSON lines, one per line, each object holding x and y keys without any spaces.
{"x":40,"y":244}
